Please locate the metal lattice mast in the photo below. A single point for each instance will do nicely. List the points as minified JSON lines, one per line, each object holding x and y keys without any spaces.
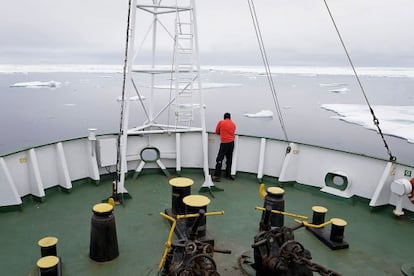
{"x":186,"y":97}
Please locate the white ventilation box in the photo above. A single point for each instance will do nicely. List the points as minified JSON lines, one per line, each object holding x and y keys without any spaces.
{"x":107,"y":151}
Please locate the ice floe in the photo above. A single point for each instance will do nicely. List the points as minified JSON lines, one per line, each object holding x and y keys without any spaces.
{"x":37,"y":84}
{"x":248,"y":70}
{"x":260,"y":114}
{"x":205,"y":85}
{"x":394,"y":120}
{"x":342,"y":90}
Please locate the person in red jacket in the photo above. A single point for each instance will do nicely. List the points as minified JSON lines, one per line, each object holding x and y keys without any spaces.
{"x":226,"y":128}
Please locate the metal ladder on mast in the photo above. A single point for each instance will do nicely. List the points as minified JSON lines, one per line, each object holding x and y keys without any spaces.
{"x":185,"y":73}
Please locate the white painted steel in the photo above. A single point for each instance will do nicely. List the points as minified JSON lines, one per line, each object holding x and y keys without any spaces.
{"x":178,"y":151}
{"x":35,"y":180}
{"x":401,"y":187}
{"x":235,"y":156}
{"x":8,"y":192}
{"x":32,"y":171}
{"x":382,"y":192}
{"x":261,"y":158}
{"x":63,"y":172}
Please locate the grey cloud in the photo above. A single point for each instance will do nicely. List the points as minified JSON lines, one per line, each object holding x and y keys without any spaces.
{"x":373,"y":30}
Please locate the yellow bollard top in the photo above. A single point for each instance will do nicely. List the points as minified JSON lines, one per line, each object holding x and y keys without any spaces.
{"x":102,"y":208}
{"x":338,"y":222}
{"x":275,"y":190}
{"x":196,"y":200}
{"x":319,"y":209}
{"x":47,"y":241}
{"x":47,"y":262}
{"x":181,"y":182}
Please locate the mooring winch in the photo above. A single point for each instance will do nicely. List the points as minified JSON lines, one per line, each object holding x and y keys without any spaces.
{"x":275,"y":250}
{"x":190,"y":256}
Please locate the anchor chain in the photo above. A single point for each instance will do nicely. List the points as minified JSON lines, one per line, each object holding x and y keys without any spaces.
{"x":291,"y":254}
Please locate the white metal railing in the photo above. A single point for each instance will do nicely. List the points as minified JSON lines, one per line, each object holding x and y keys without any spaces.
{"x":32,"y":171}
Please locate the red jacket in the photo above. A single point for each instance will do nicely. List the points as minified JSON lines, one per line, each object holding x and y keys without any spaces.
{"x":226,"y":129}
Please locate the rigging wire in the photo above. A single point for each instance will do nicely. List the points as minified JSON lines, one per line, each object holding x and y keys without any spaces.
{"x":121,"y":124}
{"x":374,"y":118}
{"x":267,"y":67}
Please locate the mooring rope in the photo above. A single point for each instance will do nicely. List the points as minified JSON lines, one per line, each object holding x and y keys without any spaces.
{"x":267,"y":67}
{"x":374,"y":118}
{"x":121,"y":123}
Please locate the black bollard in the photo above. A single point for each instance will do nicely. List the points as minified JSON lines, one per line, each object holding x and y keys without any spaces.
{"x":193,"y":204}
{"x":274,"y":200}
{"x":319,"y":213}
{"x":103,"y":244}
{"x":48,"y":246}
{"x":337,"y":230}
{"x":181,"y":187}
{"x":48,"y":266}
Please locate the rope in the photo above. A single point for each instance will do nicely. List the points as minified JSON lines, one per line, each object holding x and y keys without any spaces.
{"x":374,"y":118}
{"x":121,"y":126}
{"x":267,"y":67}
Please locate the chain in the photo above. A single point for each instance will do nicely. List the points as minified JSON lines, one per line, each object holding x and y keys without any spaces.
{"x":311,"y":265}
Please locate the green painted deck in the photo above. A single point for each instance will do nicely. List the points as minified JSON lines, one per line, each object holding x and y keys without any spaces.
{"x":379,"y":243}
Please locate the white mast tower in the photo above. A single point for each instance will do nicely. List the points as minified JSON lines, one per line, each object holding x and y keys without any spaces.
{"x":181,"y":77}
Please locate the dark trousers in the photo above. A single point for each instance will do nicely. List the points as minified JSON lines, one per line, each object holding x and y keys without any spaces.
{"x":226,"y":150}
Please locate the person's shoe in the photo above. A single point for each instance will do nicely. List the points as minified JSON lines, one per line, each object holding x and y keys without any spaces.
{"x":215,"y":178}
{"x":230,"y":177}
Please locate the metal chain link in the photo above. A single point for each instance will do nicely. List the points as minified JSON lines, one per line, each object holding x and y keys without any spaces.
{"x":310,"y":265}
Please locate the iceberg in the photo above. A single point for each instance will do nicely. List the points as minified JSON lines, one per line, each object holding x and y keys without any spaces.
{"x":260,"y":114}
{"x":394,"y":120}
{"x":37,"y":84}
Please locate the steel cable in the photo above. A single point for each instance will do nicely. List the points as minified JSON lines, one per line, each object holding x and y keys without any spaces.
{"x":267,"y":67}
{"x":374,"y":118}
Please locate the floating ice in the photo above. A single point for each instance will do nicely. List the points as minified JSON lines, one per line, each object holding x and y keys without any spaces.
{"x":342,"y":90}
{"x":260,"y":114}
{"x":319,"y":70}
{"x":60,"y":68}
{"x":132,"y":99}
{"x":333,"y":84}
{"x":394,"y":120}
{"x":37,"y":84}
{"x":205,"y":85}
{"x":254,"y":70}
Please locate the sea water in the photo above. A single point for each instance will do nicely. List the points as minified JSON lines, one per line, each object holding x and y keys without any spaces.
{"x":322,"y":106}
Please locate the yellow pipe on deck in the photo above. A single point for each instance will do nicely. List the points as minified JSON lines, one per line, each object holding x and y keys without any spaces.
{"x":283,"y":213}
{"x":174,"y":223}
{"x":310,"y":225}
{"x":168,"y":242}
{"x":197,"y":215}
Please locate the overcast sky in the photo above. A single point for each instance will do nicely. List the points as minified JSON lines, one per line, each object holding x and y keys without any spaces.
{"x":297,"y":32}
